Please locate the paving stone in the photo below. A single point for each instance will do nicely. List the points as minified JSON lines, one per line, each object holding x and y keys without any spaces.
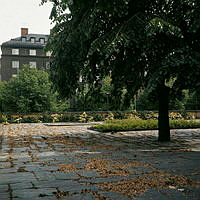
{"x":103,"y":180}
{"x":38,"y":167}
{"x":139,"y":170}
{"x":44,"y":176}
{"x":152,"y":194}
{"x":33,"y":193}
{"x":38,"y":198}
{"x":4,"y":165}
{"x":3,"y":158}
{"x":88,"y":173}
{"x":79,"y":197}
{"x":65,"y":175}
{"x":8,"y":170}
{"x":23,"y":159}
{"x":54,"y":184}
{"x":162,"y":194}
{"x":19,"y":186}
{"x":113,"y":196}
{"x":16,"y":177}
{"x":4,"y":196}
{"x":3,"y":188}
{"x":80,"y":188}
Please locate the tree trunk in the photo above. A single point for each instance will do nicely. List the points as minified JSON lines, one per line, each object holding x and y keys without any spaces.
{"x":163,"y":117}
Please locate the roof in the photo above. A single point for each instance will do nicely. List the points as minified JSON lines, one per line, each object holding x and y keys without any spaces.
{"x":18,"y":43}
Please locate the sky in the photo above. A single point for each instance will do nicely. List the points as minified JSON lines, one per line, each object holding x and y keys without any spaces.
{"x":17,"y":14}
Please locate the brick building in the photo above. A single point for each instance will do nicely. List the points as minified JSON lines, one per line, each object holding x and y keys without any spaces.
{"x":26,"y":49}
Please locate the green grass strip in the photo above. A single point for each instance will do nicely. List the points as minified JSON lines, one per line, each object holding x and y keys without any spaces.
{"x":131,"y":125}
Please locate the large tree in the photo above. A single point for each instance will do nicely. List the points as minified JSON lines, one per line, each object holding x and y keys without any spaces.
{"x":29,"y":92}
{"x":151,"y":44}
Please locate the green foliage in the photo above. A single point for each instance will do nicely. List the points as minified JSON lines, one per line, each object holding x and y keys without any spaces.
{"x":132,"y":125}
{"x":140,"y":45}
{"x":84,"y":117}
{"x":110,"y":116}
{"x":95,"y":100}
{"x":3,"y":118}
{"x":88,"y":117}
{"x":29,"y":119}
{"x":193,"y":101}
{"x":29,"y":92}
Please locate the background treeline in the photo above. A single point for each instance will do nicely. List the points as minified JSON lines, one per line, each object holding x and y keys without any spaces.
{"x":31,"y":92}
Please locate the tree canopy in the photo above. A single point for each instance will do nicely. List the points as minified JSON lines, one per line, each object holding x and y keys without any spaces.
{"x":29,"y":92}
{"x":151,"y":44}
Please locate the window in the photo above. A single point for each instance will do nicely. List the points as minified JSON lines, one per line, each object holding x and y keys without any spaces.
{"x":42,"y":40}
{"x":15,"y":64}
{"x":23,"y":39}
{"x":48,"y":53}
{"x":15,"y":51}
{"x":32,"y":40}
{"x":32,"y":52}
{"x":47,"y":65}
{"x":32,"y":64}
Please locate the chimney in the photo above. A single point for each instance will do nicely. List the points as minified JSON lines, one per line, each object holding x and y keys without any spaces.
{"x":24,"y":31}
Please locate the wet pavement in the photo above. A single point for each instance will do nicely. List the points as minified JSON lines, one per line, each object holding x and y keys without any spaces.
{"x":68,"y":161}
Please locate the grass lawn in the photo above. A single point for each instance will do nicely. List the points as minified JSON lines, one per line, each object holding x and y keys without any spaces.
{"x":138,"y":124}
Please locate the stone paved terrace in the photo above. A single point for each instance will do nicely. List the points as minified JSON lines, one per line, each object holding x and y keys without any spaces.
{"x":68,"y":161}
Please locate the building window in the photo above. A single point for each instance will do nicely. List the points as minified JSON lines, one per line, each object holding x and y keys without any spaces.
{"x":14,"y":75}
{"x":15,"y":64}
{"x":48,"y":53}
{"x":32,"y":52}
{"x":32,"y":40}
{"x":42,"y":40}
{"x":23,"y":39}
{"x":47,"y":65}
{"x":15,"y":51}
{"x":32,"y":64}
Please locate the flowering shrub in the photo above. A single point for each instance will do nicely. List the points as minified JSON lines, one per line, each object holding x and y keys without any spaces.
{"x":187,"y":115}
{"x":131,"y":115}
{"x":55,"y":118}
{"x":88,"y":117}
{"x":85,"y":118}
{"x":110,"y":116}
{"x":175,"y":116}
{"x":148,"y":115}
{"x":3,"y":118}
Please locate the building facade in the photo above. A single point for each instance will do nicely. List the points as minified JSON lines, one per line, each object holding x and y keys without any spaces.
{"x":26,"y":49}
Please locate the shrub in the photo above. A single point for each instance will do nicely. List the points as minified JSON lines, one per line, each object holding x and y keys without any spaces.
{"x":132,"y":115}
{"x":147,"y":115}
{"x":99,"y":116}
{"x":30,"y":118}
{"x":84,"y":117}
{"x":128,"y":125}
{"x":175,"y":116}
{"x":3,"y":118}
{"x":119,"y":115}
{"x":46,"y":118}
{"x":110,"y":116}
{"x":187,"y":115}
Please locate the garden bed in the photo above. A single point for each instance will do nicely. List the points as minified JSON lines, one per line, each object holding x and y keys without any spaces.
{"x":139,"y":124}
